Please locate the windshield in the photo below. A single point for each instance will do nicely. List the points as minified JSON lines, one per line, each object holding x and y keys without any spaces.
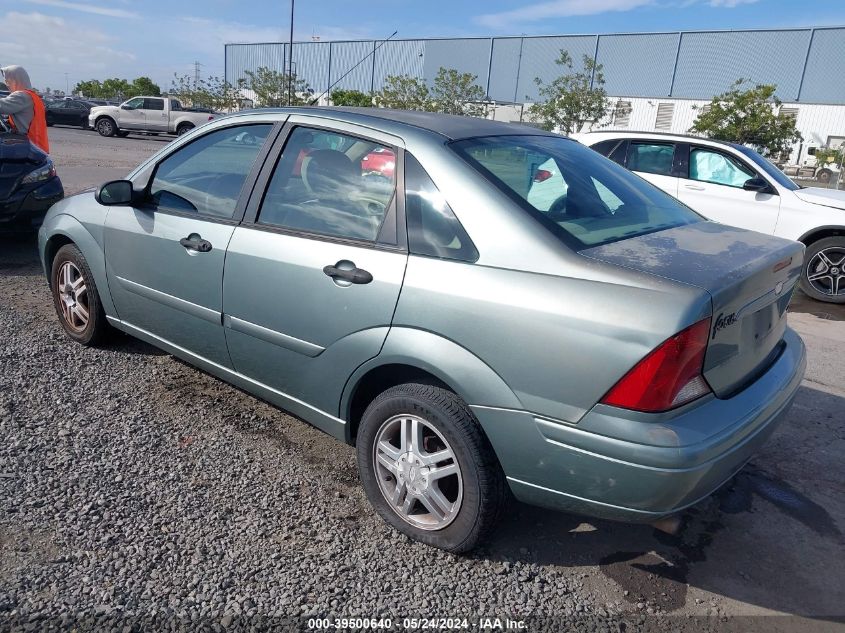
{"x":582,"y":197}
{"x":771,"y":171}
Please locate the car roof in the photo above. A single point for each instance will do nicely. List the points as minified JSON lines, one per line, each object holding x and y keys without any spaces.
{"x":620,"y":134}
{"x":451,"y":126}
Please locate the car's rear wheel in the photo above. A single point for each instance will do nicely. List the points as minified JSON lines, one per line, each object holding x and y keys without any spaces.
{"x":184,"y":128}
{"x":106,"y":127}
{"x":428,"y":469}
{"x":75,"y":297}
{"x":823,"y":276}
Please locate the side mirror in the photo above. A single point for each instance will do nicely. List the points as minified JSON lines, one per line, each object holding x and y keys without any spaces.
{"x":757,"y":184}
{"x":125,"y":107}
{"x":115,"y":193}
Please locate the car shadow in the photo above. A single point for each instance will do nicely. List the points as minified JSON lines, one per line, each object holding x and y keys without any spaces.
{"x":760,"y":515}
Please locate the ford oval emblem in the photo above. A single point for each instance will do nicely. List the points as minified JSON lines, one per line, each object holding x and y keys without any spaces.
{"x":779,"y":288}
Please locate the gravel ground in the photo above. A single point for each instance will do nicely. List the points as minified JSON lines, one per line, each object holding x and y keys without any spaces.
{"x":133,"y":485}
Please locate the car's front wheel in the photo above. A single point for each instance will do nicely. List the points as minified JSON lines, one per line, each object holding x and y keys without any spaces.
{"x":76,"y":298}
{"x":823,"y":276}
{"x":106,"y":127}
{"x":428,"y":468}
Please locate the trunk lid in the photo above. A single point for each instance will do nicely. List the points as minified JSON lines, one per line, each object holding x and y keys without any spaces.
{"x":749,"y":276}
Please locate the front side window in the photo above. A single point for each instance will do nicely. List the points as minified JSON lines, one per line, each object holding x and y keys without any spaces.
{"x":717,"y":168}
{"x":651,"y":158}
{"x":134,"y":104}
{"x":582,"y":197}
{"x":321,"y":185}
{"x":433,"y":229}
{"x":207,"y":175}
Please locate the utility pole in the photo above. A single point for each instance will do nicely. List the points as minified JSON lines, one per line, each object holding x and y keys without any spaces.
{"x":290,"y":58}
{"x":67,"y":86}
{"x":196,"y":73}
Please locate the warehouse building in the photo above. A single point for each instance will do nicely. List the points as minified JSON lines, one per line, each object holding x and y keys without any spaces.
{"x":655,"y":81}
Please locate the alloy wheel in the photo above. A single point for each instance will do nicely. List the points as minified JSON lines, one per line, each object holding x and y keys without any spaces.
{"x":826,"y":271}
{"x":417,"y":472}
{"x":73,"y":296}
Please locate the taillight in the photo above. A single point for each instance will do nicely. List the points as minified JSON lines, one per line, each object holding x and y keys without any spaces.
{"x":542,"y":175}
{"x":668,"y":377}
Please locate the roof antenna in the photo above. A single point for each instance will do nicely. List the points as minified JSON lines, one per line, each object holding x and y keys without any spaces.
{"x":361,"y":61}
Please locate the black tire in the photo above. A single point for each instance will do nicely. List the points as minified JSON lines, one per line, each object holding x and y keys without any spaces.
{"x":184,"y":128}
{"x":122,"y":133}
{"x":485,"y":492}
{"x":50,"y":122}
{"x":84,"y":123}
{"x":824,"y":176}
{"x":106,"y":127}
{"x":832,"y":250}
{"x":96,"y":328}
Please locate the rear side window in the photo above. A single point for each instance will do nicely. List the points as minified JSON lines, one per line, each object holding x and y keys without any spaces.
{"x":153,"y":104}
{"x":433,"y":229}
{"x":708,"y":166}
{"x":207,"y":175}
{"x":582,"y":198}
{"x":651,"y":158}
{"x":605,"y":147}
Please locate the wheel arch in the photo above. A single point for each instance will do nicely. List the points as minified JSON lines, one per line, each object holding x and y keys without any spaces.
{"x":62,"y":229}
{"x":820,"y":232}
{"x":411,"y":355}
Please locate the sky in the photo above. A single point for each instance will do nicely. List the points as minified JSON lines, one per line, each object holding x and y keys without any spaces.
{"x":61,"y":42}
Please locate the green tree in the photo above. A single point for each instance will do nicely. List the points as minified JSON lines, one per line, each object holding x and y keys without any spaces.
{"x":354,"y":98}
{"x":271,"y":88}
{"x":457,"y":93}
{"x":746,"y":115}
{"x":117,"y":88}
{"x":191,"y":92}
{"x":574,"y":98}
{"x":404,"y":92}
{"x":92,"y":89}
{"x":146,"y":87}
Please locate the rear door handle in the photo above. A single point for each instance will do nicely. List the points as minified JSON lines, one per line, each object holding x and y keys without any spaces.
{"x":195,"y":242}
{"x":352,"y":275}
{"x":694,"y":187}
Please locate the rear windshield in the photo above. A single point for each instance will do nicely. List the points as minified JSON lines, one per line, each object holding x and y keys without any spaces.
{"x":581,"y":196}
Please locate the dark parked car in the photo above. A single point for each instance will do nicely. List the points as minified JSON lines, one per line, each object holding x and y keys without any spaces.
{"x":68,"y":112}
{"x":28,"y":183}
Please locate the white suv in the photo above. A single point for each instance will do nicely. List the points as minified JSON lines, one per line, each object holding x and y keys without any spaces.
{"x":732,"y":184}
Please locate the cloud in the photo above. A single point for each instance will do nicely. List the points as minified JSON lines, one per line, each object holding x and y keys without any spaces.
{"x":47,"y":64}
{"x":86,"y":8}
{"x":729,"y":4}
{"x":560,"y":9}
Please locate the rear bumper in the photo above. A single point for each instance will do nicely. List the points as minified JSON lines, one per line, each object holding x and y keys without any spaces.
{"x":25,"y":210}
{"x":629,"y":466}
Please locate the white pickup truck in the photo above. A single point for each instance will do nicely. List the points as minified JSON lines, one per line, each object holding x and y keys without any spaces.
{"x":156,"y":115}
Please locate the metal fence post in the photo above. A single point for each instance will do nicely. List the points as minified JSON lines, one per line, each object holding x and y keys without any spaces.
{"x":329,"y":73}
{"x":595,"y":61}
{"x":489,"y":68}
{"x":804,"y":69}
{"x":675,"y":67}
{"x":518,"y":68}
{"x":373,"y":75}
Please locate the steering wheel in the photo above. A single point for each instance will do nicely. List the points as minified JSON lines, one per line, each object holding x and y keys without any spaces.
{"x":371,"y":206}
{"x":557,"y":210}
{"x":209,"y":190}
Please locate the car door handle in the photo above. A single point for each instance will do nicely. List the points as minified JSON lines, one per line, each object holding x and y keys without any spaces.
{"x":195,"y":243}
{"x":694,"y":187}
{"x":353,"y":275}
